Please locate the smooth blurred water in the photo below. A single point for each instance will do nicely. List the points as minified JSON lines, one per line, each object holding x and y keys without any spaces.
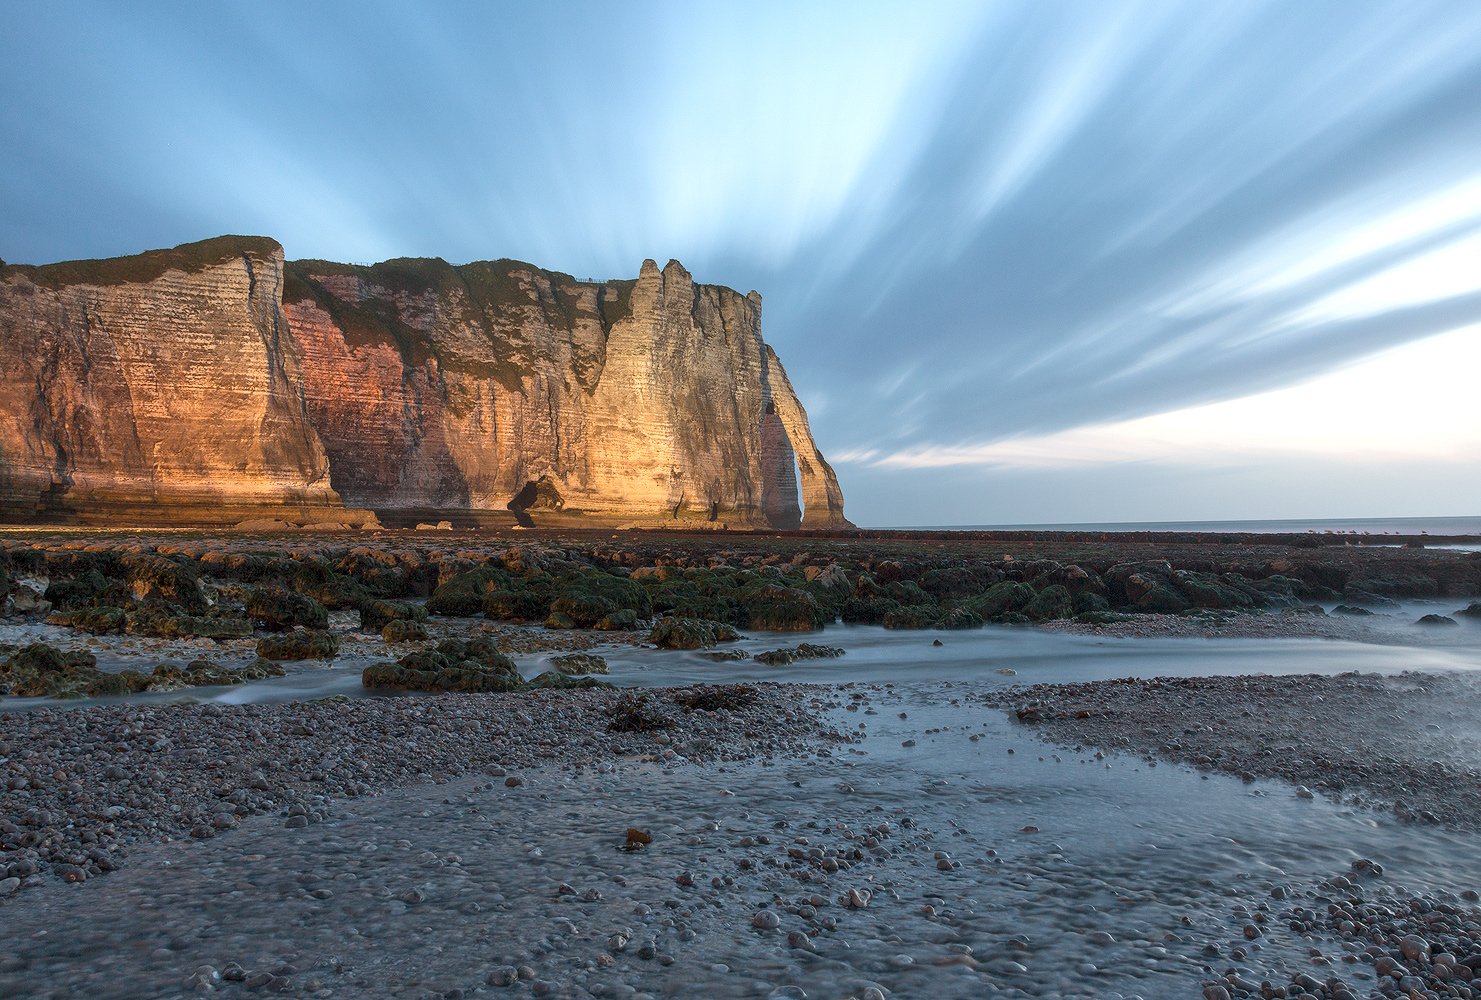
{"x":1353,"y":525}
{"x":875,"y":654}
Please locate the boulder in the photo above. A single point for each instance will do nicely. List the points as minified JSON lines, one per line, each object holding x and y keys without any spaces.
{"x":690,"y":633}
{"x":376,"y":615}
{"x":802,"y":651}
{"x":278,"y":609}
{"x":299,"y":644}
{"x":474,"y":665}
{"x":576,"y":664}
{"x":403,"y":630}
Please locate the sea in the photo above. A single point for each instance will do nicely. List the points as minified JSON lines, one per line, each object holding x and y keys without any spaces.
{"x":1451,"y":526}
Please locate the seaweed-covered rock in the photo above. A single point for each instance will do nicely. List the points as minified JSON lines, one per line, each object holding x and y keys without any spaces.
{"x":1005,"y":597}
{"x":907,"y":592}
{"x":154,"y":621}
{"x":960,"y":618}
{"x":519,"y":604}
{"x":690,"y":633}
{"x":802,"y":651}
{"x":42,"y":671}
{"x":1127,"y":583}
{"x":379,"y":571}
{"x":576,"y":664}
{"x":278,"y":609}
{"x":1089,"y":601}
{"x":783,"y":609}
{"x":1074,"y":578}
{"x":1205,"y":590}
{"x":867,"y":610}
{"x":453,"y":665}
{"x":948,"y":583}
{"x":1472,"y":610}
{"x":727,"y":655}
{"x":464,"y":594}
{"x":682,"y":600}
{"x":402,"y":630}
{"x":161,"y":624}
{"x":26,"y":600}
{"x":160,"y":579}
{"x":559,"y":619}
{"x":582,"y":610}
{"x":622,"y":620}
{"x":1052,"y":602}
{"x":203,"y":673}
{"x":831,"y":577}
{"x":125,"y":682}
{"x":558,"y":680}
{"x":85,"y":590}
{"x":376,"y":615}
{"x":587,"y":598}
{"x":1359,"y":596}
{"x":300,"y":644}
{"x":97,"y":621}
{"x":327,"y":585}
{"x":1397,"y":584}
{"x":1162,"y":599}
{"x":912,"y":617}
{"x":1437,"y":620}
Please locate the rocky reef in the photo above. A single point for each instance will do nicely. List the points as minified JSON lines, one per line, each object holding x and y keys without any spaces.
{"x":217,"y":383}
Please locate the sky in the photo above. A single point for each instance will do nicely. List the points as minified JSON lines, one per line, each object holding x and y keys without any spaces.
{"x":1081,"y":261}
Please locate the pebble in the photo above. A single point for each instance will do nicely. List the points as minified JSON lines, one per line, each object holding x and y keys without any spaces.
{"x":765,"y":920}
{"x":799,"y":940}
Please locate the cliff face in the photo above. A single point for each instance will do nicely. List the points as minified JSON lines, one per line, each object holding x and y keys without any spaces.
{"x":215,"y":373}
{"x":165,"y":379}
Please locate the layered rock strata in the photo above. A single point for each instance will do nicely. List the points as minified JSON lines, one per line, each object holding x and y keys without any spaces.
{"x":166,"y":379}
{"x":215,"y":377}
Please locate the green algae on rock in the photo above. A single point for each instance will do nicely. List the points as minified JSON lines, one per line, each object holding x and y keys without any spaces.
{"x":452,"y":665}
{"x":43,"y":671}
{"x":278,"y":608}
{"x":299,"y":644}
{"x":576,"y":664}
{"x":802,"y":651}
{"x":690,"y":633}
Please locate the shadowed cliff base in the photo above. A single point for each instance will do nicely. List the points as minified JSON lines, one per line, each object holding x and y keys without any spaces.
{"x":214,"y":383}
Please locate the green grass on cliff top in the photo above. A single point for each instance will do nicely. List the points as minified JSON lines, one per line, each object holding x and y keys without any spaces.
{"x":144,"y":267}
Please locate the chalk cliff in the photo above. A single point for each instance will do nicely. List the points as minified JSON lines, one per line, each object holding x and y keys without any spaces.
{"x":215,"y":377}
{"x":162,"y":379}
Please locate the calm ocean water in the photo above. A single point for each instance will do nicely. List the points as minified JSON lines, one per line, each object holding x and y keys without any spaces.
{"x":1350,"y":525}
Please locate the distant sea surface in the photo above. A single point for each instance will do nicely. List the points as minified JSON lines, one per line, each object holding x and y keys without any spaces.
{"x":1344,"y":525}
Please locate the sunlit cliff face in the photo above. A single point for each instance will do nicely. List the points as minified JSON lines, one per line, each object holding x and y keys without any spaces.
{"x":1081,"y":232}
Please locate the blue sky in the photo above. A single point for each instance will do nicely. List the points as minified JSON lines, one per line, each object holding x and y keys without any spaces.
{"x":1025,"y":262}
